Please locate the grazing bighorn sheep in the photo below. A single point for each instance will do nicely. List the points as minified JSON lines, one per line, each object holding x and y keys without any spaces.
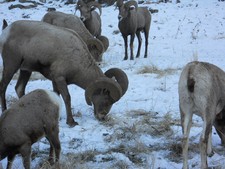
{"x":133,"y":21}
{"x":202,"y":92}
{"x":29,"y":119}
{"x":95,"y":46}
{"x":62,"y":57}
{"x":90,"y":18}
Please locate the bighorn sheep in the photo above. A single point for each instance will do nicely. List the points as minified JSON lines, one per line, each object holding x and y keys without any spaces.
{"x":202,"y":92}
{"x":133,"y":21}
{"x":29,"y":119}
{"x":62,"y":57}
{"x":91,"y":18}
{"x":95,"y":46}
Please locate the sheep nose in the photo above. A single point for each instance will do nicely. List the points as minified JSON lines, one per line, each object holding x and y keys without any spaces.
{"x":120,"y":17}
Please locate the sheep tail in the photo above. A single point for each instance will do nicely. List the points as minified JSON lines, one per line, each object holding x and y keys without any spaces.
{"x":190,"y":82}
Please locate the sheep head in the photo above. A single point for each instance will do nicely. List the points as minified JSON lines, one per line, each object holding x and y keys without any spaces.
{"x":124,"y":9}
{"x":87,"y":8}
{"x":104,"y":92}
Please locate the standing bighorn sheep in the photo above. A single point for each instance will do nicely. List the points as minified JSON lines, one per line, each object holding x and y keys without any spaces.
{"x":202,"y":92}
{"x":62,"y":57}
{"x":95,"y":46}
{"x":29,"y":119}
{"x":133,"y":21}
{"x":90,"y":17}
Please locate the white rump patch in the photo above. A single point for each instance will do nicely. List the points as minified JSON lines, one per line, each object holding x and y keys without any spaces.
{"x":55,"y":98}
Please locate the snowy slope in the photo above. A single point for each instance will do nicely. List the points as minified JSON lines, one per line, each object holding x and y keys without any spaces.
{"x":143,"y":128}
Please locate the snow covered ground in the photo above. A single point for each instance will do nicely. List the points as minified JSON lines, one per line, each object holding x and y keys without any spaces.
{"x":143,"y":128}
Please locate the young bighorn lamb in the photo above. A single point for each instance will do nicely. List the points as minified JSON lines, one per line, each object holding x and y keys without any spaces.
{"x":202,"y":92}
{"x":95,"y":46}
{"x":133,"y":21}
{"x":62,"y":57}
{"x":29,"y":119}
{"x":90,"y":17}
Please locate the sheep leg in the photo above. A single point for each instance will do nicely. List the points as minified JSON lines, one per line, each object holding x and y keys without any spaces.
{"x":186,"y":119}
{"x":22,"y":82}
{"x":219,"y":128}
{"x":63,"y":90}
{"x":55,"y":88}
{"x":210,"y":152}
{"x":125,"y":45}
{"x":146,"y":43}
{"x":10,"y":160}
{"x":207,"y":127}
{"x":25,"y":151}
{"x":55,"y":147}
{"x":8,"y":73}
{"x":139,"y":43}
{"x":131,"y":46}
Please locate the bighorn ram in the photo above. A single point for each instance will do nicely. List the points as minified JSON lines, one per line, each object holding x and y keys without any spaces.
{"x":202,"y":92}
{"x":133,"y":21}
{"x":91,"y":18}
{"x":95,"y":46}
{"x":62,"y":57}
{"x":33,"y":116}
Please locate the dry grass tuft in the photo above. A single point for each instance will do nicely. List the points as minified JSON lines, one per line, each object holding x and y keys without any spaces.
{"x":159,"y":72}
{"x":126,"y":142}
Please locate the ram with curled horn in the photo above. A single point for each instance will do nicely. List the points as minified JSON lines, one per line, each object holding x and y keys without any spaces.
{"x":117,"y":82}
{"x":66,"y":62}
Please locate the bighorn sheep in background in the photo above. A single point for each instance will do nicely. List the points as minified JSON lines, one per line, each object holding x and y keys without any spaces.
{"x":29,"y":119}
{"x":62,"y":57}
{"x":90,"y":18}
{"x":95,"y":46}
{"x":202,"y":92}
{"x":133,"y":21}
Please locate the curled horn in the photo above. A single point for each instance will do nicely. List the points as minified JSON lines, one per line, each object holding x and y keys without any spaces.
{"x":120,"y":77}
{"x":112,"y":86}
{"x":128,"y":4}
{"x":119,"y":3}
{"x":96,"y":5}
{"x":105,"y":41}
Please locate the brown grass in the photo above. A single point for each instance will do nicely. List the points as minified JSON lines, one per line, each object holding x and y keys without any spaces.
{"x":159,"y":72}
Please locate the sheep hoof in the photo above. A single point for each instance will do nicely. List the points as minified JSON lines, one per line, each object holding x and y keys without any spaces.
{"x":145,"y":56}
{"x":125,"y":58}
{"x":71,"y":123}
